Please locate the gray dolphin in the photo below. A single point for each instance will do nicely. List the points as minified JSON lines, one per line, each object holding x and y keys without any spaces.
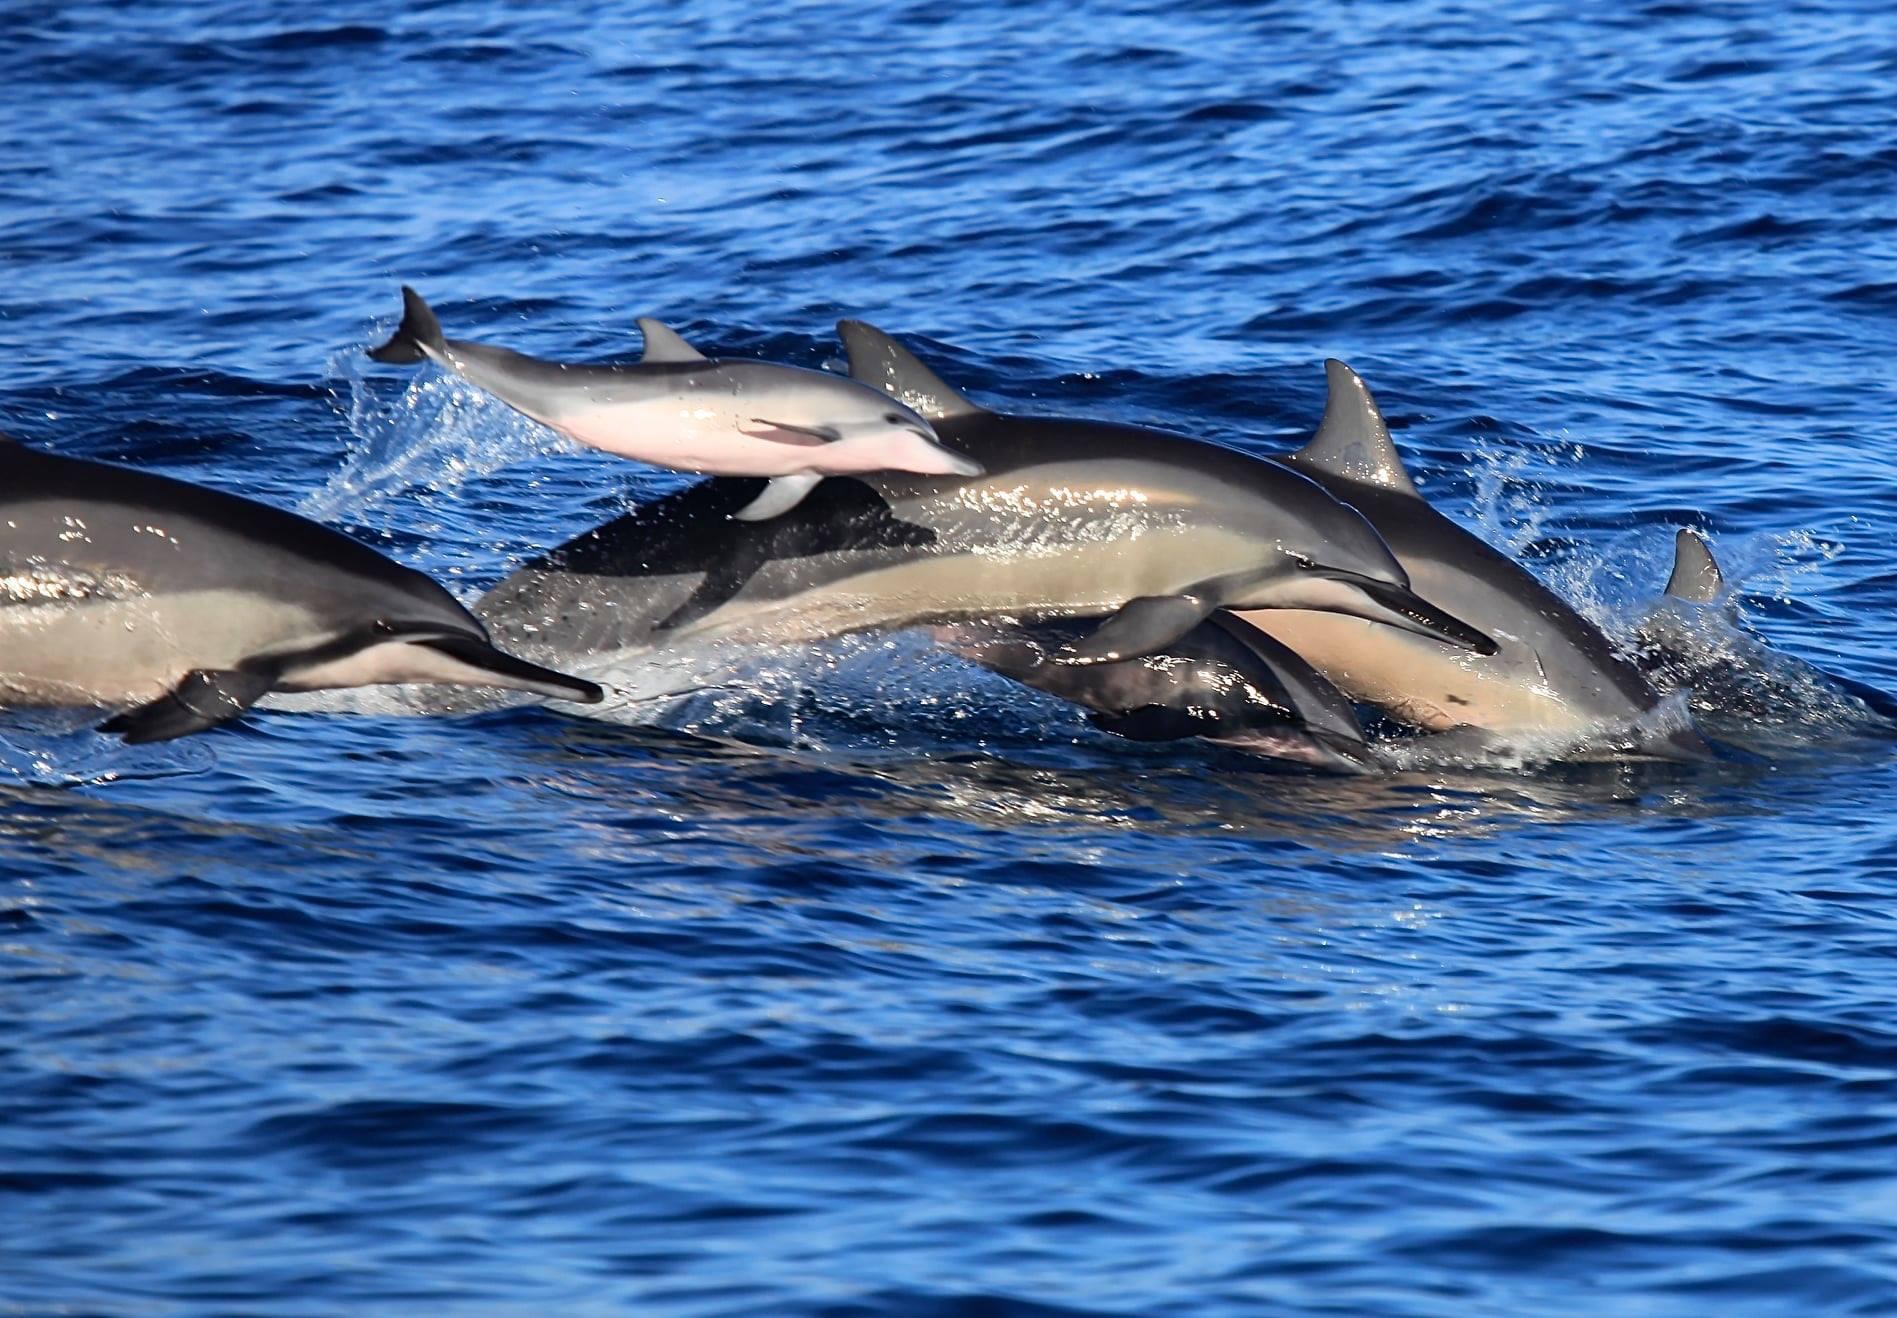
{"x":1553,"y":676}
{"x":1691,"y":638}
{"x":1224,"y":681}
{"x":1073,"y":519}
{"x":121,"y":587}
{"x":677,"y":408}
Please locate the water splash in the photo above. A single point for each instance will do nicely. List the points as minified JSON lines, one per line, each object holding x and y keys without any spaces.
{"x":439,"y":433}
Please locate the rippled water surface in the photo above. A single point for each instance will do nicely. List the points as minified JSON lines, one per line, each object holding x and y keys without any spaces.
{"x":878,"y":987}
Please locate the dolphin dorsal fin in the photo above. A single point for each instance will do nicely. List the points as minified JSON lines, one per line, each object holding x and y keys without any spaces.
{"x":663,"y":345}
{"x":882,"y":363}
{"x":1352,"y":441}
{"x":1696,"y":576}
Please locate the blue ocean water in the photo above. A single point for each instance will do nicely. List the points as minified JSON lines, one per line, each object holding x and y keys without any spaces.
{"x":897,"y":991}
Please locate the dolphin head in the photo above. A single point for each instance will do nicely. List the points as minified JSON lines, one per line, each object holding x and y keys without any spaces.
{"x":905,"y":441}
{"x":863,"y":429}
{"x":1331,"y":560}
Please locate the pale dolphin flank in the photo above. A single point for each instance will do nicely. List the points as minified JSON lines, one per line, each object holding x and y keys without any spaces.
{"x":124,"y":588}
{"x":1553,"y":681}
{"x":677,"y":408}
{"x":1073,"y":519}
{"x":1224,"y":681}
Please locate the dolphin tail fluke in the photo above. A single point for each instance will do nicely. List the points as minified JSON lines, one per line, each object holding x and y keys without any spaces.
{"x":504,"y":670}
{"x":205,"y":698}
{"x":779,"y":496}
{"x":1404,"y":609}
{"x":418,"y":336}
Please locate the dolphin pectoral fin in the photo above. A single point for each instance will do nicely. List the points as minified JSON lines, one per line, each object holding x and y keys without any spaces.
{"x":841,"y":515}
{"x":1141,"y":627}
{"x":514,"y":673}
{"x":779,"y":497}
{"x":1150,"y":723}
{"x":789,"y":432}
{"x":715,"y":589}
{"x":204,"y":699}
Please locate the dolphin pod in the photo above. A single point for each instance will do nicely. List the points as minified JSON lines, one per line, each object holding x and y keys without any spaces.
{"x":1546,"y":672}
{"x":1171,"y":587}
{"x":1553,"y":674}
{"x":1147,"y":532}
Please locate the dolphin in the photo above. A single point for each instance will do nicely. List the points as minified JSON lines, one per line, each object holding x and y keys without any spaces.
{"x":187,"y":605}
{"x":1072,"y":519}
{"x":677,"y":408}
{"x":1224,"y":681}
{"x":1552,"y":679}
{"x":1691,"y":638}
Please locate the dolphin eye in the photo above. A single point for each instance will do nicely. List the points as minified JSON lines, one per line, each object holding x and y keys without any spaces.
{"x":894,"y":418}
{"x":1304,"y":564}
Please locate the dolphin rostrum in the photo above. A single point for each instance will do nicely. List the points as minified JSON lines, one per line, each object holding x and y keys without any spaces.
{"x":677,"y":408}
{"x":187,"y":605}
{"x":1553,"y":676}
{"x":1073,"y":519}
{"x":1224,"y":681}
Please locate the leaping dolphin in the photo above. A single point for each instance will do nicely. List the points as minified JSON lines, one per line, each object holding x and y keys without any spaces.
{"x":1224,"y":682}
{"x":1073,"y":519}
{"x":677,"y":408}
{"x":1553,"y":677}
{"x":125,"y":588}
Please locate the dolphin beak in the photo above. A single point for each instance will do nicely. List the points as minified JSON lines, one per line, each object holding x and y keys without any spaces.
{"x":964,"y":465}
{"x":958,"y":464}
{"x":1403,"y":608}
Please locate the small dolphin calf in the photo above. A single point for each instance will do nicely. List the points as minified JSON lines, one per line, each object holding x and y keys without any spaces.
{"x":677,"y":408}
{"x":120,"y":587}
{"x":1073,"y":519}
{"x":1553,"y":678}
{"x":1224,"y":681}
